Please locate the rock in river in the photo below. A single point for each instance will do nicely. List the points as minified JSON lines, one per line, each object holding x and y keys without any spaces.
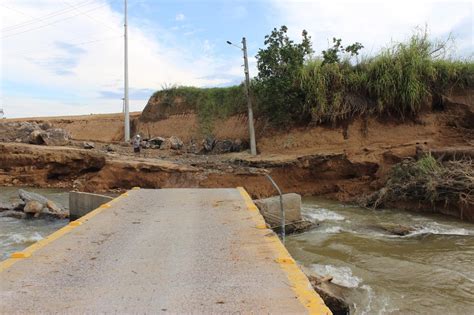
{"x":38,"y":204}
{"x":5,"y":206}
{"x":18,"y":206}
{"x":33,"y":207}
{"x":13,"y":214}
{"x":395,"y":229}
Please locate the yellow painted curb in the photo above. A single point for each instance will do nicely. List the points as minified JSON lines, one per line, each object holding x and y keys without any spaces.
{"x":253,"y":208}
{"x":285,"y":260}
{"x":7,"y":263}
{"x":261,"y":226}
{"x":27,"y":252}
{"x":298,"y":280}
{"x":136,"y":188}
{"x":20,"y":255}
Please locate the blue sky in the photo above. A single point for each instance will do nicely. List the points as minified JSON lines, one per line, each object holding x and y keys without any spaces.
{"x":61,"y":57}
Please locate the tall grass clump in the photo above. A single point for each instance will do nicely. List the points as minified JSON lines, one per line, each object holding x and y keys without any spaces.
{"x":453,"y":74}
{"x":398,"y":82}
{"x":399,"y":78}
{"x":328,"y":88}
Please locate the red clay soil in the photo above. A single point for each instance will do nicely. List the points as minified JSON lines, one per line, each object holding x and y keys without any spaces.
{"x":343,"y":162}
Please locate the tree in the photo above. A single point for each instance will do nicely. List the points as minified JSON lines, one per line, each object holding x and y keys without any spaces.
{"x":278,"y":63}
{"x":332,"y":55}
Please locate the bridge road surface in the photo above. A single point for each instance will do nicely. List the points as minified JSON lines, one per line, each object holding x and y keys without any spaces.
{"x":156,"y":251}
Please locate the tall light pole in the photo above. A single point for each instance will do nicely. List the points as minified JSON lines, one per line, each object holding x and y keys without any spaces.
{"x":125,"y":98}
{"x":253,"y":145}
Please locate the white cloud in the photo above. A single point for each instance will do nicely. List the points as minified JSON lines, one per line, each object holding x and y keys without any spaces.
{"x":374,"y":23}
{"x":180,"y":17}
{"x":82,"y":55}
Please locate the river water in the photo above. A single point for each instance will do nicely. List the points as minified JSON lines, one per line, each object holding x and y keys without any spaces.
{"x":429,"y":271}
{"x":15,"y":234}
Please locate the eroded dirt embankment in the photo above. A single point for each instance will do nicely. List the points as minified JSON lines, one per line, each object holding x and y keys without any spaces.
{"x":30,"y":165}
{"x":343,"y":161}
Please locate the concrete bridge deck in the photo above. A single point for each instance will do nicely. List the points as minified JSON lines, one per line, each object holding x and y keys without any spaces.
{"x":160,"y":251}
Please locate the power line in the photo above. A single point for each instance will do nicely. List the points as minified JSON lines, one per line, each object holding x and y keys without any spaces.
{"x":42,"y":18}
{"x":93,"y":18}
{"x":54,"y":22}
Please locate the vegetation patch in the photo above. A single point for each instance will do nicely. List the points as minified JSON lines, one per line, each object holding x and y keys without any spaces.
{"x":398,"y":81}
{"x":430,"y":181}
{"x":294,"y":86}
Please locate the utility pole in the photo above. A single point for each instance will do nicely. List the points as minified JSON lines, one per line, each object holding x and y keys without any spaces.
{"x":253,"y":146}
{"x":125,"y":99}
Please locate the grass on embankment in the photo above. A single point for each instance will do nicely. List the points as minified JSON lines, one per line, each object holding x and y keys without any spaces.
{"x":397,"y":82}
{"x":209,"y":103}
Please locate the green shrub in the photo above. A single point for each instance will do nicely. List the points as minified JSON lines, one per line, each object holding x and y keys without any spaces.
{"x":279,"y":98}
{"x":428,"y":165}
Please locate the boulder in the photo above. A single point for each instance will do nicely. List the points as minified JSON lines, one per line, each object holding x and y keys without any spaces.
{"x":46,"y":126}
{"x":165,"y":145}
{"x":175,"y":143}
{"x":56,"y":137}
{"x":395,"y":229}
{"x":52,"y":209}
{"x":270,"y":209}
{"x":17,"y":206}
{"x":237,"y":146}
{"x":109,"y":148}
{"x":88,"y":145}
{"x":51,"y":137}
{"x":192,"y":147}
{"x":33,"y":206}
{"x":155,"y":143}
{"x":27,"y":196}
{"x":296,"y":227}
{"x":35,"y":203}
{"x":5,"y":206}
{"x":36,"y":137}
{"x":208,"y":143}
{"x":13,"y":214}
{"x":332,"y":294}
{"x":17,"y":131}
{"x":222,"y":146}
